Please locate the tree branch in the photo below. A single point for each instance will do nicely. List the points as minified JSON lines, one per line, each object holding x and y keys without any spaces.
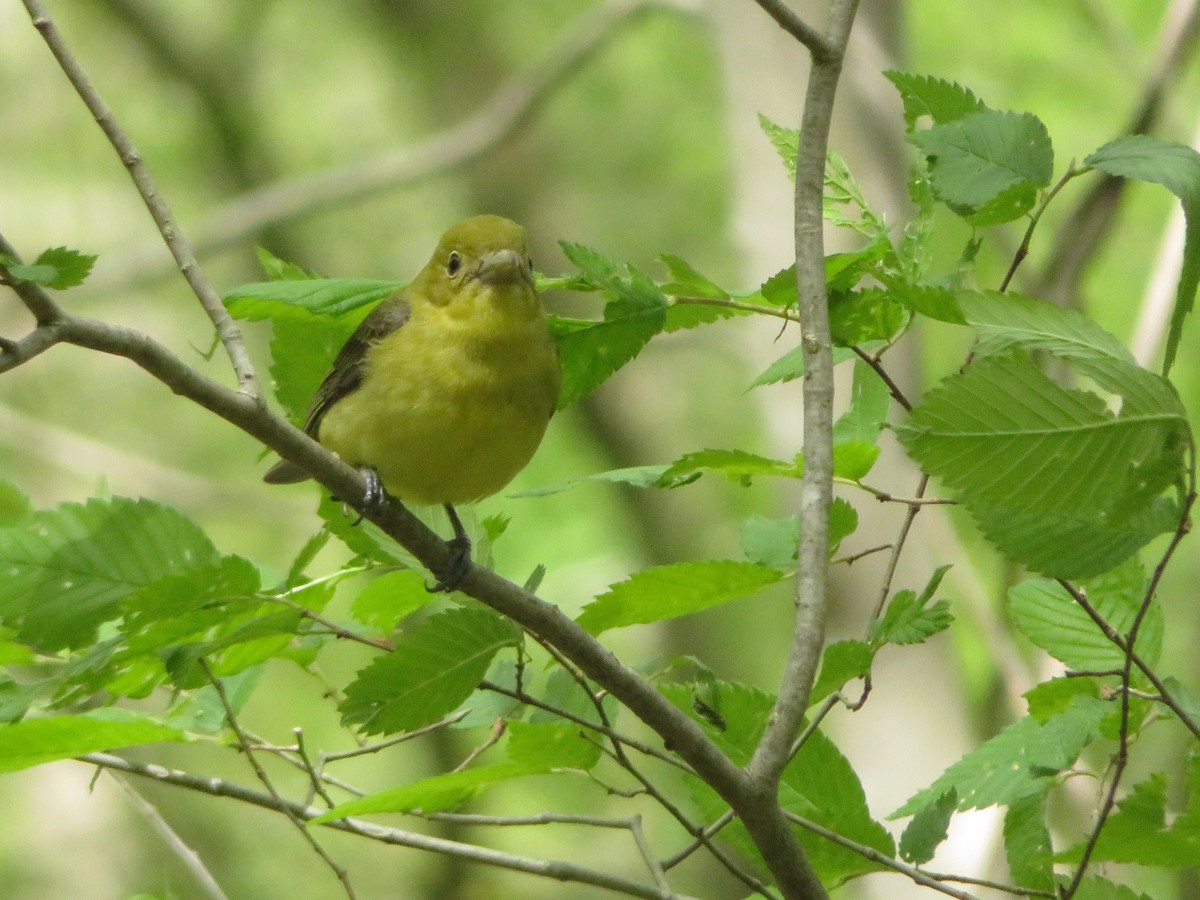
{"x":216,"y":787}
{"x":821,"y":48}
{"x":227,"y":329}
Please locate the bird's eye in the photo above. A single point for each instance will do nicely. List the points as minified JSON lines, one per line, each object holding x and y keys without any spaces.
{"x":454,"y":263}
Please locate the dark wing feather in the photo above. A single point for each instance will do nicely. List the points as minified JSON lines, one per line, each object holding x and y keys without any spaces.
{"x":347,"y":372}
{"x":345,"y":376}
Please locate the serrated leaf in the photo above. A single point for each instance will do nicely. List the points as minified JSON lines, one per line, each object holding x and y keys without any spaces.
{"x":1054,"y":697}
{"x":302,"y":351}
{"x":736,"y":465}
{"x":1137,"y":831}
{"x":1027,"y":844}
{"x":290,"y":298}
{"x":974,"y":159}
{"x":928,"y":829}
{"x":365,"y":538}
{"x":433,"y":669}
{"x":33,"y":742}
{"x":63,"y":572}
{"x":909,"y":619}
{"x":57,"y":268}
{"x":668,"y":592}
{"x":1047,"y":615}
{"x":389,"y":598}
{"x":550,"y":745}
{"x":1177,"y":167}
{"x":591,"y":354}
{"x":818,"y":783}
{"x":1021,"y":761}
{"x":786,"y":142}
{"x":436,"y":794}
{"x":686,"y":279}
{"x":1053,"y":478}
{"x":923,"y":95}
{"x":841,"y":662}
{"x":843,"y":522}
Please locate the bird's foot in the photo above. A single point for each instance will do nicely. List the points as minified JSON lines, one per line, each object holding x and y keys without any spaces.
{"x":374,"y":495}
{"x":459,"y":563}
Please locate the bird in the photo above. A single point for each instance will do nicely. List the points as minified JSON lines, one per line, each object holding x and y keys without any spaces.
{"x":444,"y":391}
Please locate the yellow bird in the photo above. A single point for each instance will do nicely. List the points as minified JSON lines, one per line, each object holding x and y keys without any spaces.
{"x":444,"y":391}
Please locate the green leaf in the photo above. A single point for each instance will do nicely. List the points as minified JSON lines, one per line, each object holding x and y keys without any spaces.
{"x":1137,"y":831}
{"x":436,"y":794}
{"x":1047,"y":615}
{"x":292,"y":298}
{"x":843,"y":521}
{"x":592,"y":353}
{"x":1053,"y":478}
{"x":869,"y":403}
{"x":302,"y":352}
{"x":924,"y":95}
{"x":33,"y":742}
{"x":1054,"y":697}
{"x":771,"y":542}
{"x":634,"y":476}
{"x":1177,"y":167}
{"x":818,"y":783}
{"x":668,"y":592}
{"x":389,"y":598}
{"x":1093,"y":887}
{"x":550,"y":745}
{"x":14,"y":505}
{"x":64,"y":572}
{"x":853,"y":460}
{"x":736,"y":465}
{"x":433,"y":669}
{"x":841,"y":661}
{"x":1027,"y":844}
{"x":909,"y":619}
{"x":786,"y":142}
{"x":57,"y":268}
{"x":862,"y":316}
{"x":790,"y":366}
{"x":687,"y":281}
{"x":366,"y":538}
{"x":973,"y":160}
{"x":278,"y":269}
{"x":928,"y":829}
{"x":1021,"y":761}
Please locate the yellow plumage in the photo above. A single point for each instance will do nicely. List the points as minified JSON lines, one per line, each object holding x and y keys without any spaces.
{"x":445,"y":391}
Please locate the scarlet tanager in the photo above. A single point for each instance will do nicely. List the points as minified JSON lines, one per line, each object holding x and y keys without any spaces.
{"x":444,"y":391}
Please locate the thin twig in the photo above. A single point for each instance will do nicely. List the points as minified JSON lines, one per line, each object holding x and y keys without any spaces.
{"x":190,"y":858}
{"x":244,"y":743}
{"x":882,"y":859}
{"x":818,"y":45}
{"x":778,"y":312}
{"x":872,"y":360}
{"x":894,"y":560}
{"x":499,"y":727}
{"x":1034,"y":218}
{"x":131,"y":158}
{"x":398,"y":739}
{"x":216,"y":787}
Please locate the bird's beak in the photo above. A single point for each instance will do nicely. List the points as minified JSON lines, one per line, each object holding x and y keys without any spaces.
{"x":503,"y":267}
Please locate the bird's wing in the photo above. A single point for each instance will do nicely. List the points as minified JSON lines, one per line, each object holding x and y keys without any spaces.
{"x":347,"y":372}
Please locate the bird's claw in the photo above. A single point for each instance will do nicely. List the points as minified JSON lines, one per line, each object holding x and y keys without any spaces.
{"x":456,"y":568}
{"x":374,"y":495}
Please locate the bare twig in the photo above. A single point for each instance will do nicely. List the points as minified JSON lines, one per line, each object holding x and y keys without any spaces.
{"x":244,"y":744}
{"x":227,"y":329}
{"x":818,"y":45}
{"x":190,"y":859}
{"x":881,"y":858}
{"x":216,"y":787}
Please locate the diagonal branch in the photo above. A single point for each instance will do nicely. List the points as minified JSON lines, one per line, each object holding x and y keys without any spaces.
{"x":227,"y":329}
{"x":817,"y":44}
